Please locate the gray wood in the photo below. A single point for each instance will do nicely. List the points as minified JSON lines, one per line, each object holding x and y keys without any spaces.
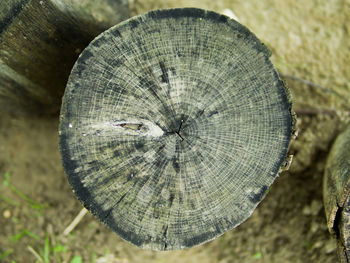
{"x":173,"y":127}
{"x":336,"y":189}
{"x":39,"y":43}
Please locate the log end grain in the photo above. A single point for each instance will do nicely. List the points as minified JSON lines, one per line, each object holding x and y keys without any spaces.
{"x":173,"y":127}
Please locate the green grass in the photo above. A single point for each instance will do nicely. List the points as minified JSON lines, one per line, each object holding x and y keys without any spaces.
{"x":23,"y":233}
{"x":44,"y":245}
{"x":59,"y":248}
{"x":52,"y":251}
{"x":7,"y":183}
{"x":77,"y":259}
{"x":8,"y":200}
{"x":5,"y":254}
{"x":47,"y":249}
{"x":257,"y":255}
{"x":93,"y":257}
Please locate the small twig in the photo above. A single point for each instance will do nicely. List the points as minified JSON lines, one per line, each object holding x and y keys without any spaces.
{"x":35,"y":254}
{"x":75,"y":222}
{"x":311,"y":84}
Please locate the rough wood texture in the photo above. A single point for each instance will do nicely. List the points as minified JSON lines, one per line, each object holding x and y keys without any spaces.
{"x":336,"y":189}
{"x":174,"y":125}
{"x":39,"y":43}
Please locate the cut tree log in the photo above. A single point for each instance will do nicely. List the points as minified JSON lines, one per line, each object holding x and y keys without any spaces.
{"x":173,"y":127}
{"x":39,"y":43}
{"x":336,"y":189}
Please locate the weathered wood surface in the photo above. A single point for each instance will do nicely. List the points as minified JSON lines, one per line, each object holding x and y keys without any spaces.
{"x":173,"y":127}
{"x":336,"y":193}
{"x":39,"y":43}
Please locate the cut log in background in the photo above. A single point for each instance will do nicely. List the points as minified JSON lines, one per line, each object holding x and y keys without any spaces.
{"x":39,"y":43}
{"x":336,"y":193}
{"x":173,"y":127}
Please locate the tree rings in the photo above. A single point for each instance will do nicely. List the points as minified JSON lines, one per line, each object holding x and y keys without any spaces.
{"x":173,"y":127}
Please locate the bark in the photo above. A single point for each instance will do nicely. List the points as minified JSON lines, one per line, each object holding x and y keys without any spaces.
{"x":336,"y":189}
{"x":39,"y":43}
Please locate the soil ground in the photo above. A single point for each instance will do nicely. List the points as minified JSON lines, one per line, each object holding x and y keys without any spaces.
{"x":309,"y":40}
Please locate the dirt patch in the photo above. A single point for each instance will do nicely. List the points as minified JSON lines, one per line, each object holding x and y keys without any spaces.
{"x":308,"y":40}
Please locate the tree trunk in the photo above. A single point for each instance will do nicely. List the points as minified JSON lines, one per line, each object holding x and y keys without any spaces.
{"x":336,"y":189}
{"x":39,"y":43}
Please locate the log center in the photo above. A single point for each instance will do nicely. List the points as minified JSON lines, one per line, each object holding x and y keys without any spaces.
{"x":178,"y":131}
